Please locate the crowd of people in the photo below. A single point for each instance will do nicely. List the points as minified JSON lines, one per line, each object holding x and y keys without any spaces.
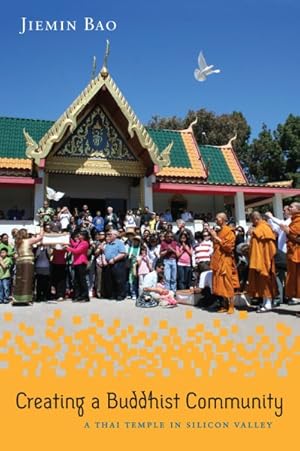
{"x":112,"y":258}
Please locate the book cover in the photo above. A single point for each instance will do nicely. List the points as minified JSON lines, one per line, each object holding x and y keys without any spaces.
{"x":108,"y":375}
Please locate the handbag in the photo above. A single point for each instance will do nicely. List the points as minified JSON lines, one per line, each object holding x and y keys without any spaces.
{"x":146,"y":301}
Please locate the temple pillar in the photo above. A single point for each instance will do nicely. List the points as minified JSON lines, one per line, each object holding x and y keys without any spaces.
{"x":147,"y":192}
{"x":277,"y":206}
{"x":239,"y":206}
{"x":39,"y":192}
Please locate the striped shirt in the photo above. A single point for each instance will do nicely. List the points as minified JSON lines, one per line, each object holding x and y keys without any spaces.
{"x":203,"y":251}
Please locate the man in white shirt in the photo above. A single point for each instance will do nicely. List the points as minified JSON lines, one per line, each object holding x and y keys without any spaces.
{"x":203,"y":252}
{"x":281,"y":245}
{"x":186,"y":216}
{"x":152,"y":279}
{"x":275,"y":225}
{"x":64,"y":216}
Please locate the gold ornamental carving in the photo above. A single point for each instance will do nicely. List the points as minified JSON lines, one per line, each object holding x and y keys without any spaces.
{"x":69,"y":119}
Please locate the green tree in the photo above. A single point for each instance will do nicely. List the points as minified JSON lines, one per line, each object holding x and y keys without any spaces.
{"x":167,"y":123}
{"x":272,"y":156}
{"x":265,"y":159}
{"x":288,"y":135}
{"x":210,"y":128}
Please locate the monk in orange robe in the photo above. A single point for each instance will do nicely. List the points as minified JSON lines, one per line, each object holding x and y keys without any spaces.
{"x":292,"y":287}
{"x":225,"y":276}
{"x":262,"y":274}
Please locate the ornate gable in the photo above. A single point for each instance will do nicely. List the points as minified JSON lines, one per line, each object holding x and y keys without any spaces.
{"x":97,"y":139}
{"x":95,"y":147}
{"x":100,"y":89}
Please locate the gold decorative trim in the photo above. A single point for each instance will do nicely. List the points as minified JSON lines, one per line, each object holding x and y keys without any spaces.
{"x":190,"y":127}
{"x":31,"y":145}
{"x":161,"y":159}
{"x":69,"y":119}
{"x":15,"y":163}
{"x":282,"y":184}
{"x":108,"y":173}
{"x":229,"y":144}
{"x":104,"y":70}
{"x":42,"y":149}
{"x":65,"y":165}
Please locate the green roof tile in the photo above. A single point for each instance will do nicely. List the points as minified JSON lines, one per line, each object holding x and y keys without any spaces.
{"x":12,"y":142}
{"x":178,"y":155}
{"x":219,"y":171}
{"x":12,"y":145}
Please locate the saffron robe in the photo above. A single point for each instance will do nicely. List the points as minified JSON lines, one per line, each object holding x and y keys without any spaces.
{"x":262,"y":273}
{"x":292,"y":288}
{"x":225,"y":277}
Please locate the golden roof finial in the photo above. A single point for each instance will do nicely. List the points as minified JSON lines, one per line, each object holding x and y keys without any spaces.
{"x":194,"y":122}
{"x":31,"y":145}
{"x":104,"y":70}
{"x":190,"y":127}
{"x":229,"y":144}
{"x":94,"y":68}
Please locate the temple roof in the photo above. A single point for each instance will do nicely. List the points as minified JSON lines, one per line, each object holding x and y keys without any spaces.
{"x":222,"y":165}
{"x":190,"y":163}
{"x":16,"y":163}
{"x":185,"y":159}
{"x":70,"y":119}
{"x":173,"y":155}
{"x":13,"y":159}
{"x":12,"y":142}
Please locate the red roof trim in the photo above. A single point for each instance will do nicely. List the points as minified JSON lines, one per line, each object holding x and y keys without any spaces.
{"x":42,"y":164}
{"x":17,"y":181}
{"x":224,"y":190}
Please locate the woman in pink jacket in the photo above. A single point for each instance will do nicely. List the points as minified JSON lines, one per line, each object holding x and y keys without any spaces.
{"x":79,"y":249}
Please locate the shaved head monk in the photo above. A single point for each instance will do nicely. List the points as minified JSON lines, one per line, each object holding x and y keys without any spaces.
{"x":292,"y":288}
{"x":262,"y":275}
{"x":225,"y":278}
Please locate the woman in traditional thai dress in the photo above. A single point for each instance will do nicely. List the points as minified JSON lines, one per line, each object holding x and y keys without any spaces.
{"x":23,"y":290}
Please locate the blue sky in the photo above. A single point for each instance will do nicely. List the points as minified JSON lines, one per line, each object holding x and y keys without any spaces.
{"x":153,"y":55}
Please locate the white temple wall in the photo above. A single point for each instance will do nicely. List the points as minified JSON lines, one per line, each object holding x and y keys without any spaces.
{"x":195,"y":202}
{"x":91,"y":187}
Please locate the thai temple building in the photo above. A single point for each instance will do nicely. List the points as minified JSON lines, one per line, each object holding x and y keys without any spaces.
{"x":99,"y":153}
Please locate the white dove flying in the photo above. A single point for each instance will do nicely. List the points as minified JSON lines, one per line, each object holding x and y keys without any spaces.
{"x":54,"y":195}
{"x":204,"y":70}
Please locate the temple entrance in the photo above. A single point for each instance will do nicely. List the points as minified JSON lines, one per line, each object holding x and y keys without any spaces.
{"x":97,"y":192}
{"x":119,"y":205}
{"x":178,"y":204}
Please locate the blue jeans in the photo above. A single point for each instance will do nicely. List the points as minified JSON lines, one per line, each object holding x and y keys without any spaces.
{"x":4,"y":290}
{"x":133,"y":287}
{"x":170,"y":274}
{"x":184,"y":277}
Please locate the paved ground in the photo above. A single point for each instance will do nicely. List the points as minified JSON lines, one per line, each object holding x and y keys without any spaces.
{"x":98,"y":334}
{"x":181,"y":317}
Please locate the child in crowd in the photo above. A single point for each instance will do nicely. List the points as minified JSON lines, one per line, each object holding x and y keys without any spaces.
{"x":184,"y":262}
{"x":5,"y":265}
{"x":100,"y":262}
{"x":144,"y":267}
{"x":133,"y":252}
